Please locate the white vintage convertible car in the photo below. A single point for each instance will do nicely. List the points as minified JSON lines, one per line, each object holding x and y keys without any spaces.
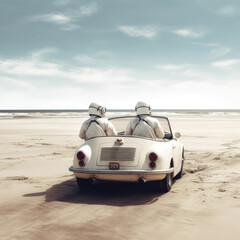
{"x":130,"y":158}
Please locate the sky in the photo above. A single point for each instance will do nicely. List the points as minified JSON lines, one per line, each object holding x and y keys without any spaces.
{"x":65,"y":54}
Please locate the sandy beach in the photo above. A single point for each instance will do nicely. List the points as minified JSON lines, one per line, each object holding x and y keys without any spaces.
{"x":40,"y":199}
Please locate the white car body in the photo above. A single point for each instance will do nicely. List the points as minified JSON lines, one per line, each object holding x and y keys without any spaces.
{"x":126,"y":158}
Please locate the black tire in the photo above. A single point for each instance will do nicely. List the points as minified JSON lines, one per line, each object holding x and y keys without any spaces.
{"x":166,"y":183}
{"x":84,"y":183}
{"x":179,"y":175}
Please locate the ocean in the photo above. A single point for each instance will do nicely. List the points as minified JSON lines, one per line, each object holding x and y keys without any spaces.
{"x":83,"y":113}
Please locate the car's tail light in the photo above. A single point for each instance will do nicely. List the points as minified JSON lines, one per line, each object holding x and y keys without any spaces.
{"x":152,"y":164}
{"x":80,"y":155}
{"x":81,"y":163}
{"x":153,"y":156}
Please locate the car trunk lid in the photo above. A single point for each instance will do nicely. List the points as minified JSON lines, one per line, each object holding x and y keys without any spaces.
{"x":126,"y":154}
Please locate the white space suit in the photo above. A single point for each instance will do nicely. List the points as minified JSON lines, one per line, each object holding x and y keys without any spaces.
{"x":96,"y":125}
{"x":144,"y":125}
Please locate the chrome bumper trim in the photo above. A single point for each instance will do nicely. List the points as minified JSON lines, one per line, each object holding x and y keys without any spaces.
{"x":134,"y":172}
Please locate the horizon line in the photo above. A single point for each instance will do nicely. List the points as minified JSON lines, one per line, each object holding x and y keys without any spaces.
{"x":124,"y":109}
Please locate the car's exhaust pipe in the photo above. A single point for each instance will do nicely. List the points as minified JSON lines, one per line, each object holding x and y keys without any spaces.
{"x":141,"y":180}
{"x":92,"y":179}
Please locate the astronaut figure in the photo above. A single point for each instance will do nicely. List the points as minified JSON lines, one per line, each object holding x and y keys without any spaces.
{"x":97,"y":124}
{"x":143,"y":124}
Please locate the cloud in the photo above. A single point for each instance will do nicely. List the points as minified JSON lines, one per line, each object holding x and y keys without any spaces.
{"x":57,"y":18}
{"x":227,"y":10}
{"x":28,"y":67}
{"x":98,"y":75}
{"x":227,"y":63}
{"x":205,"y":44}
{"x":186,"y":72}
{"x":139,"y":31}
{"x":65,"y":22}
{"x":14,"y":83}
{"x":100,"y":59}
{"x":34,"y":67}
{"x":35,"y":82}
{"x":187,"y":33}
{"x":220,"y":51}
{"x":203,"y":84}
{"x":68,"y":20}
{"x":171,"y":67}
{"x":43,"y":53}
{"x":88,"y":10}
{"x":180,"y":70}
{"x":181,"y":94}
{"x":61,"y":2}
{"x":217,"y":49}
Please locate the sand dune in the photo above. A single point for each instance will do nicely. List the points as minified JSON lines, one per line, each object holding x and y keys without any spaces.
{"x":40,"y":198}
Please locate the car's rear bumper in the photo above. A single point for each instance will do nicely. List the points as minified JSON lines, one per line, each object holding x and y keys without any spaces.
{"x":121,"y":175}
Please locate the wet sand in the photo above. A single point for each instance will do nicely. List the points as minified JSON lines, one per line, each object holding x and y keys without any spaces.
{"x":40,"y":198}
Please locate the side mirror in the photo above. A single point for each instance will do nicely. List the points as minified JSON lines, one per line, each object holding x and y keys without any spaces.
{"x":177,"y":134}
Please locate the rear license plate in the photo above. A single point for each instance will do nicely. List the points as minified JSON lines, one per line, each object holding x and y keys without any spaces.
{"x":114,"y":165}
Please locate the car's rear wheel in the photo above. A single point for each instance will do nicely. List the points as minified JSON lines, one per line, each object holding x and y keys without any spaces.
{"x":84,"y":183}
{"x":179,"y":175}
{"x":166,"y":183}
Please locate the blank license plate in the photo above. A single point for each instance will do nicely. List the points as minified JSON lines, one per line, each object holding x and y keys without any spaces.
{"x":114,"y":165}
